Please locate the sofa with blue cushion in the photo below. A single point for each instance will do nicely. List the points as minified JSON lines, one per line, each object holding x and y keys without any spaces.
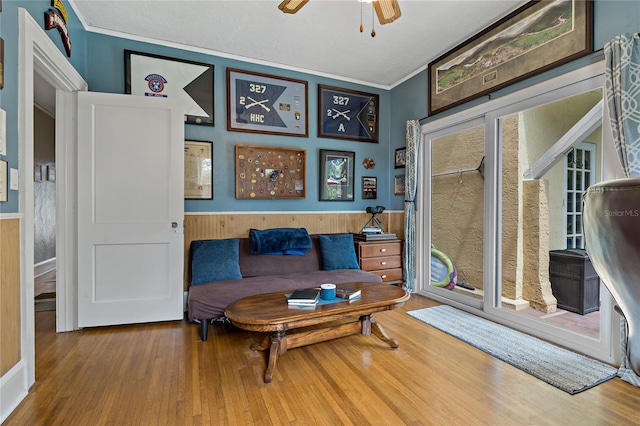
{"x":225,"y":270}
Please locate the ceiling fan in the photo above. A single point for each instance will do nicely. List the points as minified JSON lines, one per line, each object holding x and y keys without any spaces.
{"x":386,"y":10}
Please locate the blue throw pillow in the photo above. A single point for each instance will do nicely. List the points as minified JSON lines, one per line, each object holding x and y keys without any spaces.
{"x":337,"y":252}
{"x":214,"y":260}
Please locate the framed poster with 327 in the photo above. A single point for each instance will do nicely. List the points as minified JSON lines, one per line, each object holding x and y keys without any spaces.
{"x":347,"y":114}
{"x":262,"y":103}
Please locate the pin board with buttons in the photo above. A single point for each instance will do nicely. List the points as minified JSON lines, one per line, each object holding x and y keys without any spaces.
{"x":268,"y":172}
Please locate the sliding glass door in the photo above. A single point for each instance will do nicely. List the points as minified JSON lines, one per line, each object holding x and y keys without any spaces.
{"x":503,"y":212}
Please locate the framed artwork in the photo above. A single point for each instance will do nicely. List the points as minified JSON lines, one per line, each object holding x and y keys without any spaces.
{"x":369,"y":188}
{"x":37,"y":172}
{"x":534,"y":38}
{"x":1,"y":63}
{"x":51,"y":173}
{"x":347,"y":114}
{"x":398,"y":184}
{"x":160,"y":76}
{"x":269,"y":172}
{"x":198,"y":170}
{"x":4,"y":196}
{"x":336,"y":175}
{"x":3,"y":132}
{"x":262,"y":103}
{"x":400,"y":158}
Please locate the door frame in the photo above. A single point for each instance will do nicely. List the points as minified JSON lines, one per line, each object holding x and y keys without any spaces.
{"x":38,"y":54}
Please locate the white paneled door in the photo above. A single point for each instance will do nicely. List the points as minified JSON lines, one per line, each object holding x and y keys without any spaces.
{"x":130,"y":209}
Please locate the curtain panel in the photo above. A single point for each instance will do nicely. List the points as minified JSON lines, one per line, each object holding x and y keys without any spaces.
{"x":411,"y":177}
{"x":622,"y":57}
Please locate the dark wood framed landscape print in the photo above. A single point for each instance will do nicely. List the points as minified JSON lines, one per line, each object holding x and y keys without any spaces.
{"x":336,"y":175}
{"x":160,"y":76}
{"x":535,"y":38}
{"x":262,"y":103}
{"x":347,"y":114}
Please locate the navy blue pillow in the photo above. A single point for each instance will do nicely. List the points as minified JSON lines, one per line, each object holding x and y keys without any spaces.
{"x":214,"y":260}
{"x":337,"y":252}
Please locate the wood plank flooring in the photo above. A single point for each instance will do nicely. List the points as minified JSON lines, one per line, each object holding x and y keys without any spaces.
{"x":162,"y":374}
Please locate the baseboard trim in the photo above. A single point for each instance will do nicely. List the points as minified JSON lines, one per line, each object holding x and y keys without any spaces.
{"x":44,"y":267}
{"x":13,"y":389}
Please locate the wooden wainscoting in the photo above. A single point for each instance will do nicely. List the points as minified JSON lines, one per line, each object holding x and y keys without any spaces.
{"x":237,"y":225}
{"x":9,"y":294}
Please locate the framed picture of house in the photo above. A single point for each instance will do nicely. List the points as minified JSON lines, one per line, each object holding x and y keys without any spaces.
{"x":198,"y":170}
{"x":262,"y":103}
{"x":160,"y":76}
{"x":398,"y":184}
{"x":336,"y":175}
{"x":534,"y":38}
{"x":347,"y":114}
{"x":369,"y":187}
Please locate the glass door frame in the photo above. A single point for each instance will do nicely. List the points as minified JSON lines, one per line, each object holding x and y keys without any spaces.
{"x":590,"y":77}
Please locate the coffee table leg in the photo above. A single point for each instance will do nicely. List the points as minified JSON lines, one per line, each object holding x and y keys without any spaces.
{"x":274,"y":353}
{"x":370,"y":326}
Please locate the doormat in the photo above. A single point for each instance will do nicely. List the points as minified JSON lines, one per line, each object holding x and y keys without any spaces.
{"x":566,"y":370}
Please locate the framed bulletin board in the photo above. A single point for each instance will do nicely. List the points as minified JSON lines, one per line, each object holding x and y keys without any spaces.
{"x":268,"y":172}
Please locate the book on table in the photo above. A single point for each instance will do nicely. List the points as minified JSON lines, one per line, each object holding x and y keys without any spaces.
{"x":347,"y":294}
{"x":304,"y":296}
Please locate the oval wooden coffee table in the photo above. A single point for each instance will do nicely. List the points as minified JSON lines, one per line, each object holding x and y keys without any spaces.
{"x":291,"y":327}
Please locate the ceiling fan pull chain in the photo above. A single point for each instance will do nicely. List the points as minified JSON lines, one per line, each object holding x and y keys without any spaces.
{"x":361,"y":26}
{"x":373,"y":22}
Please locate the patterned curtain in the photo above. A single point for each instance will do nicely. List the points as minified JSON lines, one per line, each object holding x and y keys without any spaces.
{"x":411,"y":176}
{"x":622,"y":56}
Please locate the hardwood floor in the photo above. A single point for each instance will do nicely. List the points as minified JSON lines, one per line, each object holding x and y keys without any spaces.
{"x":162,"y":374}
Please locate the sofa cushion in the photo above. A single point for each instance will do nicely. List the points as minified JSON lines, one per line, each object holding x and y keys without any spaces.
{"x":214,"y":260}
{"x":338,"y":252}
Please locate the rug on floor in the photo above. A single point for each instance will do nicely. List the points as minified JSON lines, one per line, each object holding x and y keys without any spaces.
{"x":566,"y":370}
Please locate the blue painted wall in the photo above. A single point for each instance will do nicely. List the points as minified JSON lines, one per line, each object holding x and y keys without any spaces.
{"x":105,"y":70}
{"x":409,"y":99}
{"x":9,"y":95}
{"x":100,"y":60}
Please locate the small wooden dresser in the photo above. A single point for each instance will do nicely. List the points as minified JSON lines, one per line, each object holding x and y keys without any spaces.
{"x":383,"y":258}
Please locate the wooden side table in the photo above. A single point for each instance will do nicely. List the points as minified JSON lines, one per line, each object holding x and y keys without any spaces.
{"x":383,"y":258}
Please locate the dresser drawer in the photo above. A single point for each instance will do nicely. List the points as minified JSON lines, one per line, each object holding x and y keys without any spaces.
{"x":381,"y":249}
{"x":388,"y":275}
{"x":375,"y":263}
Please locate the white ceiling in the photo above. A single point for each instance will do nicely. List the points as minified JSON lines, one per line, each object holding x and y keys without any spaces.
{"x":322,"y":38}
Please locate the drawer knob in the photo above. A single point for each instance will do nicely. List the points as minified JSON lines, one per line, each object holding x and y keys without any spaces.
{"x":384,"y":277}
{"x":382,"y":250}
{"x":383,"y":263}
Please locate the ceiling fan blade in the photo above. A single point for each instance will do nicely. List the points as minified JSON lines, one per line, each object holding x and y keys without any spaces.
{"x":387,"y":10}
{"x":291,"y":6}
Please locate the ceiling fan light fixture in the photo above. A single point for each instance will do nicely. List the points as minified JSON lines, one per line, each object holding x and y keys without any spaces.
{"x":292,"y":6}
{"x":387,"y":10}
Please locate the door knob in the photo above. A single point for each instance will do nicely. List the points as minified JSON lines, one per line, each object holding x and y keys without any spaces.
{"x":174,"y":225}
